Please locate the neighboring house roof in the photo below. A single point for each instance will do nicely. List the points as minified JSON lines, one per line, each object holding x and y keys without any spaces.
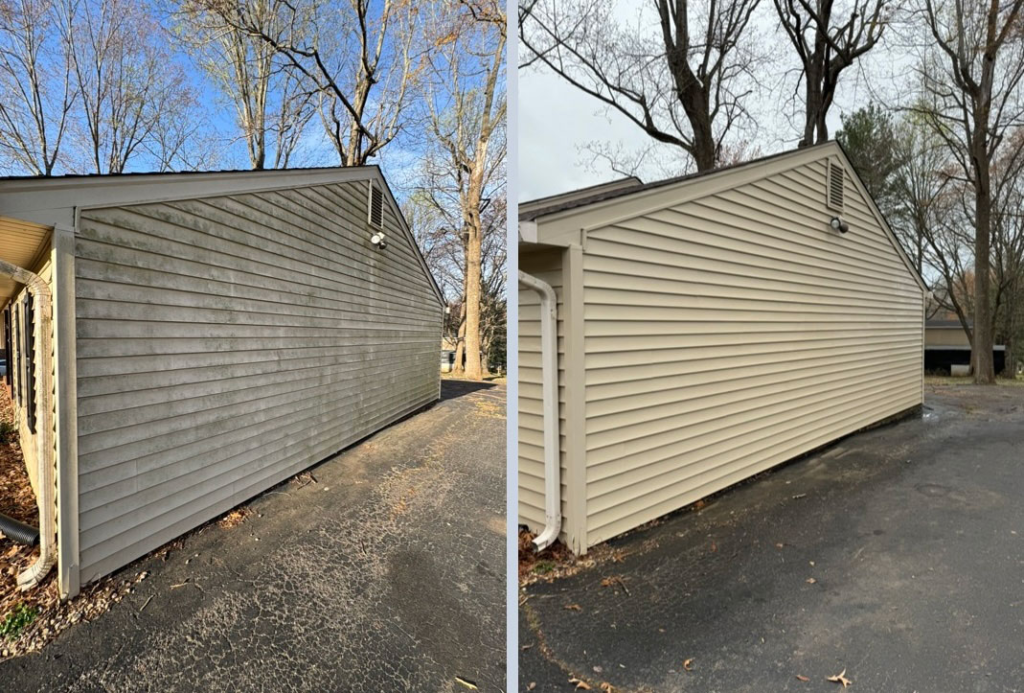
{"x":542,"y":204}
{"x":532,"y":210}
{"x":55,"y":200}
{"x":945,"y":324}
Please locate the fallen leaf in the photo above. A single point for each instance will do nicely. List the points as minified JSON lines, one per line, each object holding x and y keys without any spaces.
{"x":468,"y":684}
{"x":840,"y":678}
{"x":580,"y":684}
{"x":573,"y":607}
{"x":779,"y":545}
{"x":607,"y":687}
{"x":688,"y":665}
{"x":615,"y":581}
{"x":699,"y":504}
{"x":811,"y":581}
{"x":531,"y":686}
{"x":802,"y":678}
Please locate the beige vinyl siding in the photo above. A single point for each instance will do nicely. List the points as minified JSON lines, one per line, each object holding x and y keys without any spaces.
{"x":227,"y":343}
{"x":733,"y":332}
{"x":27,"y":439}
{"x":546,"y":265}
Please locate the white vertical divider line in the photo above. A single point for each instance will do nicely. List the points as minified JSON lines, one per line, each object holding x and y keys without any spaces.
{"x":512,"y":351}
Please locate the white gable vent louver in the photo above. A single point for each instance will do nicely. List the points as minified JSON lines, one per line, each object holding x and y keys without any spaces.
{"x":834,"y":192}
{"x":376,"y":207}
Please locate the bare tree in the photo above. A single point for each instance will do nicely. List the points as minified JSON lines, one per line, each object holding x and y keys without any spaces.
{"x":465,"y":97}
{"x":828,"y":37}
{"x":37,"y":91}
{"x":179,"y":139}
{"x":684,"y":84}
{"x":357,"y":56}
{"x":270,"y":99}
{"x":122,"y":69}
{"x":973,"y":105}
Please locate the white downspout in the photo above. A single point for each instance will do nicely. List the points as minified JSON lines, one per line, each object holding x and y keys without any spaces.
{"x":43,"y":310}
{"x":549,"y":378}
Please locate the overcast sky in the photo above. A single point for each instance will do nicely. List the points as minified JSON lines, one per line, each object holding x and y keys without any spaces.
{"x":556,"y":121}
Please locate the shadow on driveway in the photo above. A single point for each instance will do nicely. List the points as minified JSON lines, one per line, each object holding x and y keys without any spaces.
{"x":383,"y":571}
{"x":896,"y":554}
{"x":452,"y":388}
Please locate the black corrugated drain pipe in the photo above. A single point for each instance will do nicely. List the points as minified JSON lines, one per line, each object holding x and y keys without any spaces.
{"x":18,"y":531}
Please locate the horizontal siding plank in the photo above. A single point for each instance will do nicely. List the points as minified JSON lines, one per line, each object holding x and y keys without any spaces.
{"x":621,"y":518}
{"x":225,"y":344}
{"x":733,"y":332}
{"x":99,"y":560}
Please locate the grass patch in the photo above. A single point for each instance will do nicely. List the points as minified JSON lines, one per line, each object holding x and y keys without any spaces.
{"x":17,"y":620}
{"x":543,"y":567}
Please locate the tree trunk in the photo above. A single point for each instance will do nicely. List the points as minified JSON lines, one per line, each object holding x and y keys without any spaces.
{"x":460,"y":341}
{"x":473,"y":272}
{"x":812,"y":103}
{"x":981,"y":356}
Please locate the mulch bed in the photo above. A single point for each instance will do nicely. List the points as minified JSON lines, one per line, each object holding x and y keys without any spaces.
{"x":29,"y":620}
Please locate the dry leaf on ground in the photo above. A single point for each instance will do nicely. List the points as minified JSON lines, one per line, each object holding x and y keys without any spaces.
{"x":688,"y":665}
{"x":840,"y":678}
{"x":802,"y":678}
{"x":580,"y":684}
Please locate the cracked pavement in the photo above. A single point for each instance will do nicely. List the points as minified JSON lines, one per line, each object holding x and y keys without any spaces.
{"x":896,"y":554}
{"x":385,"y":574}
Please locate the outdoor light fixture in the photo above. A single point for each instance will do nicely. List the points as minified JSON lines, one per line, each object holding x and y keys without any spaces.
{"x":839,"y":224}
{"x":378,"y":240}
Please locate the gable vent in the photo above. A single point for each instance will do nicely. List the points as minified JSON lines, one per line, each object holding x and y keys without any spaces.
{"x":376,"y":206}
{"x":836,"y":175}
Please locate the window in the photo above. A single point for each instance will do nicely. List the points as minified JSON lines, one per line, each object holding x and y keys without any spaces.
{"x":376,"y":206}
{"x":30,"y":361}
{"x":835,"y":186}
{"x":16,"y":361}
{"x":8,"y":351}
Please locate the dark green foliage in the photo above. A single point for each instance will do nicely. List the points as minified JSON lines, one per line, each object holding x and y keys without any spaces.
{"x":15,"y":622}
{"x":869,"y":137}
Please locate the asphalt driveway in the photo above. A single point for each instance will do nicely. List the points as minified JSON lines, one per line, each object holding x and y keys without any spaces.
{"x":896,"y":554}
{"x":386,"y":573}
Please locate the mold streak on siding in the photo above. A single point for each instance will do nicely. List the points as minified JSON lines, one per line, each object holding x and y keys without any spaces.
{"x":225,"y":344}
{"x":734,"y":332}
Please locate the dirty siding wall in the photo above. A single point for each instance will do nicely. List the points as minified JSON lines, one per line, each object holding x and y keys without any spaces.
{"x":227,"y":343}
{"x":732,"y":333}
{"x":546,"y":265}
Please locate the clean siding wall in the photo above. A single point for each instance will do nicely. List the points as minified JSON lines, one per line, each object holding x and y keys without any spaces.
{"x":546,"y":265}
{"x":225,"y":344}
{"x":735,"y":332}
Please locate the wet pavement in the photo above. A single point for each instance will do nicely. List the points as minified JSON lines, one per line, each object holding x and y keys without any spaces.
{"x":896,"y":554}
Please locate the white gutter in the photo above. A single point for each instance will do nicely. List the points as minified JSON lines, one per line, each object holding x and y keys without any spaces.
{"x":549,"y":378}
{"x":43,"y":310}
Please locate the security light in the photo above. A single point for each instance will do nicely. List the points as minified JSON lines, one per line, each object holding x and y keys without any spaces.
{"x":839,"y":224}
{"x":378,"y":240}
